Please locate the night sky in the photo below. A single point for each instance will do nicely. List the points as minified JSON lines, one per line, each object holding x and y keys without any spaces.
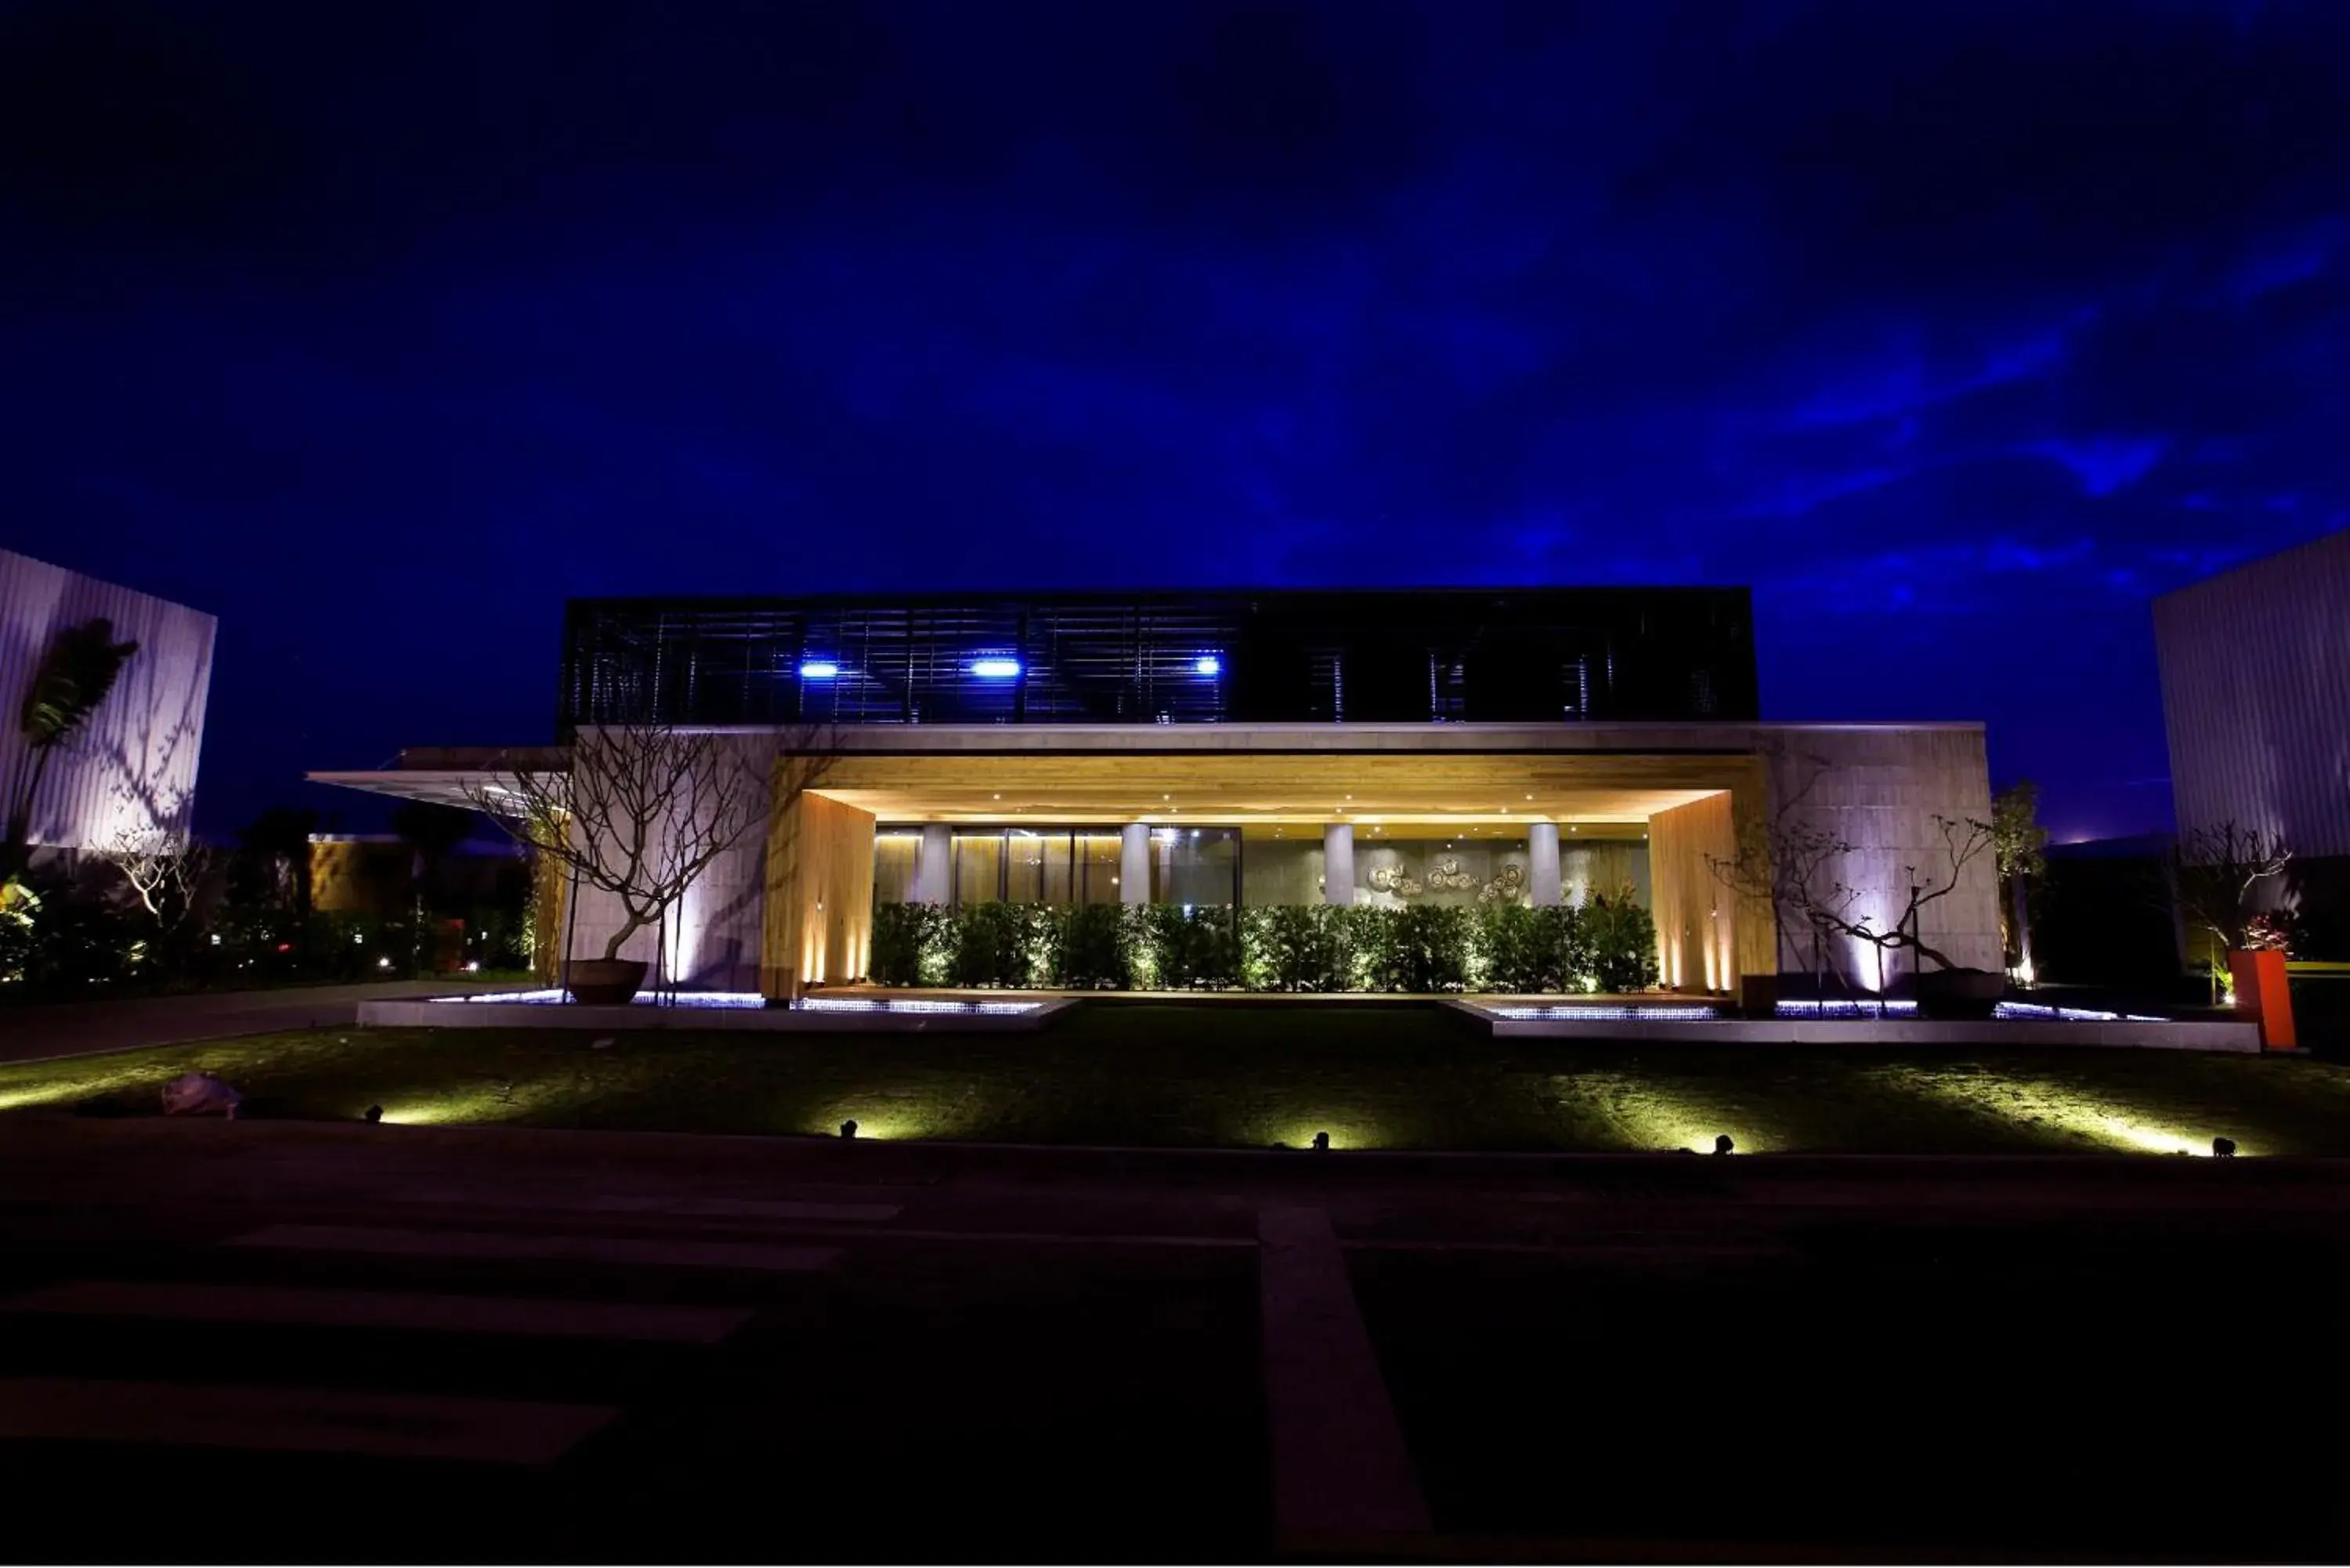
{"x":1957,"y":330}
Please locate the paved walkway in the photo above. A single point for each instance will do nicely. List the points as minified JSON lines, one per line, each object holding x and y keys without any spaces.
{"x":593,"y":1346}
{"x":86,"y":1028}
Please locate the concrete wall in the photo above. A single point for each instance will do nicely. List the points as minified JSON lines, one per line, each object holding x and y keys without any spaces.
{"x":1589,"y":867}
{"x":715,"y":933}
{"x":1879,"y":789}
{"x":752,"y":921}
{"x":2256,"y":697}
{"x":131,"y":772}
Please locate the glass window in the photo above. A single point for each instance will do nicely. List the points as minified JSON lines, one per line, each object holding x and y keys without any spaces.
{"x":978,"y":865}
{"x":1036,"y":866}
{"x":1192,"y":865}
{"x":1096,"y":871}
{"x":894,"y":854}
{"x":1082,"y":866}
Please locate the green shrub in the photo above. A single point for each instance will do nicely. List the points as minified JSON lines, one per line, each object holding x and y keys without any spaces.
{"x":1610,"y":944}
{"x":904,"y":935}
{"x":1370,"y":957}
{"x":1511,"y":952}
{"x":1432,"y":946}
{"x":1294,"y":946}
{"x":1093,"y":948}
{"x":1179,"y":947}
{"x":1519,"y":949}
{"x":1004,"y":944}
{"x":1623,"y":943}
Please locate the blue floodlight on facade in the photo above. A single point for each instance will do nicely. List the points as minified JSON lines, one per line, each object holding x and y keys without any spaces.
{"x":995,"y":668}
{"x":1207,"y":664}
{"x":818,"y":670}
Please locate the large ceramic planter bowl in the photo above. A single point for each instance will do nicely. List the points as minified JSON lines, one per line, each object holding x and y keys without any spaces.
{"x":1963,"y":993}
{"x":606,"y":982}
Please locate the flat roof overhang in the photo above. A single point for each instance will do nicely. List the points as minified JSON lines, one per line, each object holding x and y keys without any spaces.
{"x":1087,"y":774}
{"x":1107,"y":789}
{"x":441,"y":786}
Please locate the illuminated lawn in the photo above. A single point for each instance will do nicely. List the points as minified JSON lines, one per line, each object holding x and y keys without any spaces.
{"x":1229,"y":1076}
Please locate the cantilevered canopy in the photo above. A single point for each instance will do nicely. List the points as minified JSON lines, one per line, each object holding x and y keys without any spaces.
{"x":1076,"y":788}
{"x":441,"y":786}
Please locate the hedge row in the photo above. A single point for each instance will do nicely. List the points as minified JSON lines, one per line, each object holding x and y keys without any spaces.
{"x":1608,"y":944}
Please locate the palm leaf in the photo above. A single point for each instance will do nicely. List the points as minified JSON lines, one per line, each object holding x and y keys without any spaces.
{"x":81,"y":666}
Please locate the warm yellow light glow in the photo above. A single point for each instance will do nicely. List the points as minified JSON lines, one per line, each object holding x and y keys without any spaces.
{"x":1632,"y":1110}
{"x":2028,"y":1102}
{"x":886,"y":1124}
{"x":475,"y":1103}
{"x":2127,"y":1133}
{"x":1346,"y":1130}
{"x":42,"y":1095}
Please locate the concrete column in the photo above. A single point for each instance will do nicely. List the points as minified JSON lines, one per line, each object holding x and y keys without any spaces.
{"x":1339,"y":863}
{"x":934,"y":865}
{"x":1542,"y":862}
{"x":1134,"y":863}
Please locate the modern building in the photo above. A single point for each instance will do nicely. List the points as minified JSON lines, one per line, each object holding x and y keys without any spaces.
{"x":381,"y":875}
{"x":1248,"y":748}
{"x":129,"y":772}
{"x":2256,"y":700}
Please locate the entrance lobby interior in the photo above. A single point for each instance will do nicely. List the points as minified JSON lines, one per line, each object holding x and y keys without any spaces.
{"x":1283,"y":820}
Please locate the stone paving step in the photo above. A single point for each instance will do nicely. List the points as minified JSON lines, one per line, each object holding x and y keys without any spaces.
{"x":752,"y":1257}
{"x":314,"y":1420}
{"x":184,"y":1301}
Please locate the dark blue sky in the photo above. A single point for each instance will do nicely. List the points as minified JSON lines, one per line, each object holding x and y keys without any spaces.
{"x":1957,"y":330}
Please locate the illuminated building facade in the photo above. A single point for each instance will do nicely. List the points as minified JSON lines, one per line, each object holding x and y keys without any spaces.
{"x":2256,"y":703}
{"x":126,"y":775}
{"x":1250,"y":748}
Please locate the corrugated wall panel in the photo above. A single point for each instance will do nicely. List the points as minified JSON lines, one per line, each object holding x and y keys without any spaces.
{"x":2256,"y":697}
{"x":132,"y":770}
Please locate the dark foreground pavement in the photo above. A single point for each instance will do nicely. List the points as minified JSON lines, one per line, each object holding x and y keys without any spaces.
{"x":269,"y":1341}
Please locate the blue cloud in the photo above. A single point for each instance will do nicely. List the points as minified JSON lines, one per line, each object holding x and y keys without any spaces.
{"x":1956,"y":339}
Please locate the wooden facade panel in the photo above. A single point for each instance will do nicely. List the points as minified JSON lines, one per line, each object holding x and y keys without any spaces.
{"x":1120,"y":788}
{"x":1697,"y":916}
{"x":818,"y":927}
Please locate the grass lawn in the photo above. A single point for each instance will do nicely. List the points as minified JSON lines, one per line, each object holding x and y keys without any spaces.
{"x":1391,"y":1077}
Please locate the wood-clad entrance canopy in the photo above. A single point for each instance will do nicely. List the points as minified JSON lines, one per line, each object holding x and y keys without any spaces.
{"x":1242,"y":788}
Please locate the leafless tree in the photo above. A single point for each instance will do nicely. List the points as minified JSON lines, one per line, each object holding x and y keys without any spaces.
{"x":162,"y":865}
{"x":164,"y":873}
{"x":1783,"y":860}
{"x":2216,"y":870}
{"x":641,"y":811}
{"x":1963,"y":840}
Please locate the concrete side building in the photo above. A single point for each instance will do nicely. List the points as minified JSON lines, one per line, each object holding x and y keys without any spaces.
{"x":1255,"y":748}
{"x":131,"y":772}
{"x":2256,"y":697}
{"x":2256,"y":701}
